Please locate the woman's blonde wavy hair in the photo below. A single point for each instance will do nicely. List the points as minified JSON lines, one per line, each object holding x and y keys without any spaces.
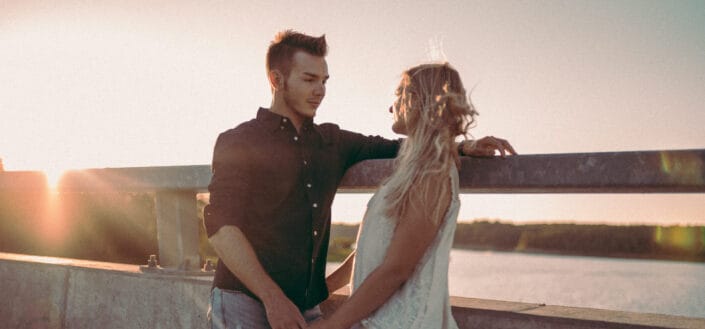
{"x":435,"y":109}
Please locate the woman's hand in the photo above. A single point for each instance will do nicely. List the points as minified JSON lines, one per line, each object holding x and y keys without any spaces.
{"x":486,"y":147}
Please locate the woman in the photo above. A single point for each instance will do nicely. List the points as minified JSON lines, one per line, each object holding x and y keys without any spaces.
{"x":400,"y":275}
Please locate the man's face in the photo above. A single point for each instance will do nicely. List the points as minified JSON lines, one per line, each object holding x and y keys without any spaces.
{"x":305,"y":87}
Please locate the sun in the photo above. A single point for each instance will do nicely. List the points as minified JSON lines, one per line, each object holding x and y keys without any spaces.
{"x":53,"y":176}
{"x":53,"y":228}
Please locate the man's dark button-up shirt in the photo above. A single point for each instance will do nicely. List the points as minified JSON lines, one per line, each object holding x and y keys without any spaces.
{"x":277,"y":186}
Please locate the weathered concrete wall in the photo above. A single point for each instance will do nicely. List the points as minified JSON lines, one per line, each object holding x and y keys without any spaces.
{"x":32,"y":296}
{"x":494,"y":314}
{"x":43,"y":292}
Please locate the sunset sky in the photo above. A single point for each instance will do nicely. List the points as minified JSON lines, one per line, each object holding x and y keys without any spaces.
{"x":87,"y":84}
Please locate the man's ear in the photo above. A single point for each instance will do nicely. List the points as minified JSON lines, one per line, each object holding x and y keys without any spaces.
{"x":276,"y":79}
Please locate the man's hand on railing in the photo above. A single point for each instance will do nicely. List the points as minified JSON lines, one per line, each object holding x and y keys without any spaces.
{"x":486,"y":147}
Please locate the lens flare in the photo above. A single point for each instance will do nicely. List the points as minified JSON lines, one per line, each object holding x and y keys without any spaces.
{"x":686,"y":238}
{"x":53,"y":228}
{"x":683,"y":168}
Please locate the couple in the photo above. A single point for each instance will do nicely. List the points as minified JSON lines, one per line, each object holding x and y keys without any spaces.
{"x":274,"y":179}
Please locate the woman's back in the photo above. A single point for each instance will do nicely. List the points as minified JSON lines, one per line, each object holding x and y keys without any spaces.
{"x":422,"y":302}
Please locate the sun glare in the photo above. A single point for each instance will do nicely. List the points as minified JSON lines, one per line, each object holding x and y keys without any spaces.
{"x":53,"y":228}
{"x":53,"y":177}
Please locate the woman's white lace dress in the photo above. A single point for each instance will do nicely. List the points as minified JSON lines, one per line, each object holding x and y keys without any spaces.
{"x":422,"y":302}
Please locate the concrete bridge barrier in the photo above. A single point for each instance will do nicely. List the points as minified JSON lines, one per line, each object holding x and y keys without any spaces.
{"x":60,"y":293}
{"x":43,"y":292}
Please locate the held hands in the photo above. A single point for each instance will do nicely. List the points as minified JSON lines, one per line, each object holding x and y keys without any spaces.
{"x":486,"y":147}
{"x":324,"y":324}
{"x":320,"y":324}
{"x":283,"y":314}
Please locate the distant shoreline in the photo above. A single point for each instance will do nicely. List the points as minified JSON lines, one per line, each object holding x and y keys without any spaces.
{"x":558,"y":253}
{"x":668,"y":243}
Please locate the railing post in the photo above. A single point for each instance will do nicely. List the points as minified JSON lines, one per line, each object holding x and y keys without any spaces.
{"x":177,"y":229}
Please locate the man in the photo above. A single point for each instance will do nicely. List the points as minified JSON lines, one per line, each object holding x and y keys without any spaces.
{"x":274,"y":179}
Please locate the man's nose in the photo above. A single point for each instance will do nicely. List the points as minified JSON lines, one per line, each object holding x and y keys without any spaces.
{"x":320,"y":90}
{"x":391,"y":109}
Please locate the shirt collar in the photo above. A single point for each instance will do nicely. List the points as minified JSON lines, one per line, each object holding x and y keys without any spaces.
{"x":272,"y":121}
{"x":318,"y":132}
{"x":269,"y":119}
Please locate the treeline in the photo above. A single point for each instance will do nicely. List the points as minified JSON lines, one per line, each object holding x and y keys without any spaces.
{"x":685,"y":243}
{"x":633,"y":241}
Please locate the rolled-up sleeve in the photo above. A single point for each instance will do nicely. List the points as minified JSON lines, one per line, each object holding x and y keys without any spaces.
{"x":228,"y":187}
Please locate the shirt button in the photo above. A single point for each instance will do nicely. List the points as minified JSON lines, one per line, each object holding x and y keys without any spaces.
{"x":281,"y":127}
{"x":284,"y":119}
{"x":315,"y":205}
{"x":305,"y":162}
{"x":308,"y":185}
{"x":315,"y":233}
{"x":296,"y":138}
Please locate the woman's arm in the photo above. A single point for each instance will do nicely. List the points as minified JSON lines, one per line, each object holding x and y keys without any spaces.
{"x":341,"y":276}
{"x":412,"y":237}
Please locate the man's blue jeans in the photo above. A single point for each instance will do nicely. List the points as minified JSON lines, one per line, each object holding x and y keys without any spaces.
{"x":235,"y":310}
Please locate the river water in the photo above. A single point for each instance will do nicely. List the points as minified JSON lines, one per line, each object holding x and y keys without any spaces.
{"x":646,"y":286}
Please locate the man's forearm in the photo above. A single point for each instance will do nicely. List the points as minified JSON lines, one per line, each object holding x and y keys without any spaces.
{"x":237,"y":253}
